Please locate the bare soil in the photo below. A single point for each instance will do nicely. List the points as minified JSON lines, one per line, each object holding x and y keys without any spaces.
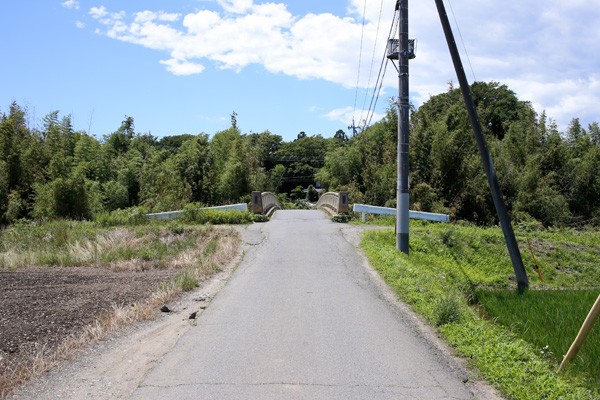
{"x":70,"y":298}
{"x":41,"y":306}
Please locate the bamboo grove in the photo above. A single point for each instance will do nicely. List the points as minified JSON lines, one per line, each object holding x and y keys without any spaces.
{"x":547,"y":176}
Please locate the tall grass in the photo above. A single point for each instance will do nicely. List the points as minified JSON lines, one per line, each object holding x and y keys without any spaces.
{"x":550,"y":320}
{"x":449,"y":263}
{"x":193,"y":252}
{"x":68,"y":243}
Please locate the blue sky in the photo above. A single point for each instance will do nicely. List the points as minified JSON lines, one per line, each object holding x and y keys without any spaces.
{"x":184,"y":66}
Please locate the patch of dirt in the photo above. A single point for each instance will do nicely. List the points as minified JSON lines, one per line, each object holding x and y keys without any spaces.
{"x":41,"y":306}
{"x":113,"y":367}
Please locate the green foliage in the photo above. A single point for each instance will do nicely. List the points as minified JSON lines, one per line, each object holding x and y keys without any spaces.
{"x":543,"y":175}
{"x":296,"y":193}
{"x":185,"y":280}
{"x":342,"y":218}
{"x":311,"y":194}
{"x":123,"y":217}
{"x":549,"y":320}
{"x":448,"y":308}
{"x":55,"y":171}
{"x":448,"y":264}
{"x":193,"y":214}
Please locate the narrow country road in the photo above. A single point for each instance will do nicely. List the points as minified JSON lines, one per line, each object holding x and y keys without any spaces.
{"x":301,"y":319}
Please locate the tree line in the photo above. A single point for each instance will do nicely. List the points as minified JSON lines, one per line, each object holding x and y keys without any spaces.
{"x":547,"y":176}
{"x":58,"y":172}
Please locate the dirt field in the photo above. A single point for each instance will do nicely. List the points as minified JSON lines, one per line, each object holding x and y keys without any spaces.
{"x":40,"y":306}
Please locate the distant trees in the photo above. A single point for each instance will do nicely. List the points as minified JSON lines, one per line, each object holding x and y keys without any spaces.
{"x":545,"y":175}
{"x":57,"y":172}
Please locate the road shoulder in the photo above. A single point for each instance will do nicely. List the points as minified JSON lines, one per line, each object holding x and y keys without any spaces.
{"x":480,"y":388}
{"x":114,"y":367}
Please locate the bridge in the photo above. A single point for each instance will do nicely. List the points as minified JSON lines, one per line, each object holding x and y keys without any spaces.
{"x":333,"y":203}
{"x":267,"y":203}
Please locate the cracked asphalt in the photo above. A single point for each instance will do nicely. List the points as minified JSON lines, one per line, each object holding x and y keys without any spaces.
{"x":301,"y":319}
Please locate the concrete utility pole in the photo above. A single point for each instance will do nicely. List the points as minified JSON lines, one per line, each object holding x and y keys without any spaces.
{"x":353,"y":127}
{"x":488,"y":165}
{"x":405,"y":53}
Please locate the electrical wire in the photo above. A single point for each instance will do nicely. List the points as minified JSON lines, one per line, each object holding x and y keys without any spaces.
{"x":380,"y":77}
{"x":462,"y":41}
{"x":362,"y":34}
{"x":372,"y":61}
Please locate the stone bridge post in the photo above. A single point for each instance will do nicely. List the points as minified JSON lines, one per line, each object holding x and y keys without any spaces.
{"x":343,"y":206}
{"x":257,"y":206}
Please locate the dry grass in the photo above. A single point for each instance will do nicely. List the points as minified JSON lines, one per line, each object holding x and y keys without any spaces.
{"x":195,"y":261}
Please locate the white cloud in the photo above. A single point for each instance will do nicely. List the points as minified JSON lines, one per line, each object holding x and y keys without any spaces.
{"x":349,"y":115}
{"x":71,"y":4}
{"x":178,"y":67}
{"x":98,"y":12}
{"x":236,"y":6}
{"x":79,"y":24}
{"x":148,"y":16}
{"x":544,"y":56}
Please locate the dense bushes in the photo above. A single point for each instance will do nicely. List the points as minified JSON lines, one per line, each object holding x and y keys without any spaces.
{"x":545,"y":175}
{"x":193,"y":214}
{"x":57,"y":172}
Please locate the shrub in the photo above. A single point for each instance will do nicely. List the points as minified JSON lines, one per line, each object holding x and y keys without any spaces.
{"x":130,"y":216}
{"x":447,"y":308}
{"x":341,"y":218}
{"x":194,"y":215}
{"x":312,"y":194}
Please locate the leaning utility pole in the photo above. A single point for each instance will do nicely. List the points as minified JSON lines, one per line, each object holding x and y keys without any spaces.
{"x":488,"y":166}
{"x":402,"y":50}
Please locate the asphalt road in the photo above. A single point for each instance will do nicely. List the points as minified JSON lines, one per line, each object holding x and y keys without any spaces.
{"x":301,"y":319}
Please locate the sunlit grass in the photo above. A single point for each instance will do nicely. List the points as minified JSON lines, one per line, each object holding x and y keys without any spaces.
{"x":193,"y":252}
{"x":449,"y":263}
{"x":550,"y":320}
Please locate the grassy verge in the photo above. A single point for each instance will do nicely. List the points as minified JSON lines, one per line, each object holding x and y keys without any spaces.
{"x":550,"y":320}
{"x":193,"y":252}
{"x":449,"y":263}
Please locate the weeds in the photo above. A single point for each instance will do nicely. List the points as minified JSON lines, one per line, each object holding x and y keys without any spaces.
{"x":195,"y":252}
{"x":550,"y":320}
{"x":447,"y":309}
{"x":449,"y":263}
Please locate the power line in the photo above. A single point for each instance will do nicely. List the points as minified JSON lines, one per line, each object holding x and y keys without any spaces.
{"x":362,"y":34}
{"x":462,"y":41}
{"x":372,"y":62}
{"x":381,"y":75}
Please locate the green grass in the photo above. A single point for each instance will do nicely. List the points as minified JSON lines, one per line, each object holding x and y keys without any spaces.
{"x":185,"y":280}
{"x":193,"y":214}
{"x":74,"y":243}
{"x":449,"y":263}
{"x":550,"y":320}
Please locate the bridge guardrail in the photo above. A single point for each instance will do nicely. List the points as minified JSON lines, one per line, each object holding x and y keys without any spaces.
{"x":333,"y":202}
{"x":177,"y":214}
{"x":363,"y":208}
{"x":270,"y":203}
{"x":265,"y":203}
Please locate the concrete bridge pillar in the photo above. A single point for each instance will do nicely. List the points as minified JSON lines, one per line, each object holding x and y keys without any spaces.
{"x":343,"y":206}
{"x":257,"y":206}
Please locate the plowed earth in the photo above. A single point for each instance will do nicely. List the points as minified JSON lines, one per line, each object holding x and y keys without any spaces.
{"x":41,"y":306}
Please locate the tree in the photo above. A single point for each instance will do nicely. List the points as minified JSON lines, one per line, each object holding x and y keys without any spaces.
{"x":340,"y":135}
{"x":594,"y":131}
{"x":234,"y":120}
{"x":128,"y":127}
